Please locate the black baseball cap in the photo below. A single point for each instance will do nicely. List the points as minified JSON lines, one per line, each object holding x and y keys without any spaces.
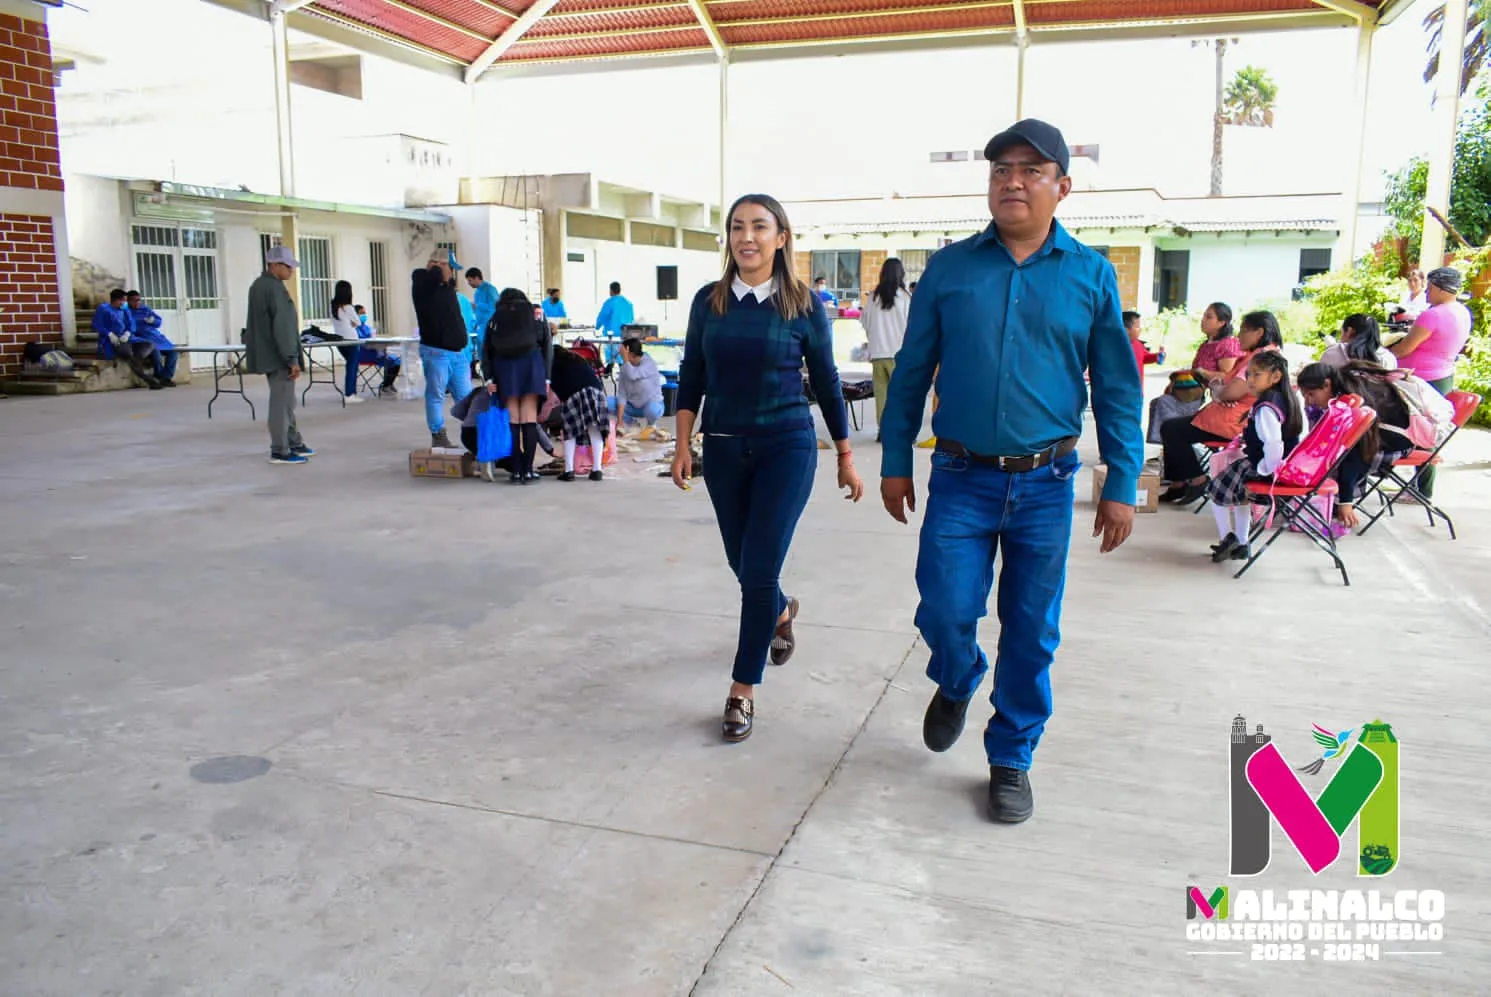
{"x":1043,"y":138}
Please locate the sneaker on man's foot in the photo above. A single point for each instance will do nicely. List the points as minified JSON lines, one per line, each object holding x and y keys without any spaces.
{"x":943,"y":722}
{"x":288,"y":458}
{"x":1010,"y":798}
{"x":354,"y":399}
{"x":438,"y":440}
{"x":166,"y":382}
{"x":303,"y":451}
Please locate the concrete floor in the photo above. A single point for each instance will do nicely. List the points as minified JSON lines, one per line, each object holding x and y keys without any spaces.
{"x":490,"y":722}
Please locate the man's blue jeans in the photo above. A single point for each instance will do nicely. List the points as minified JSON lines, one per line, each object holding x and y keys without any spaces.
{"x":759,"y":486}
{"x":973,"y":514}
{"x":443,"y":369}
{"x":165,"y":363}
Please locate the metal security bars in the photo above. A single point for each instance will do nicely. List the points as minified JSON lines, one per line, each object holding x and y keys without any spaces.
{"x":155,"y":264}
{"x":378,"y":269}
{"x":315,"y":278}
{"x":199,"y":267}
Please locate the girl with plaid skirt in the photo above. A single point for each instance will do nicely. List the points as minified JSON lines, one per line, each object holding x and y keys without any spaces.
{"x":582,"y":409}
{"x":1380,"y":445}
{"x":1273,"y":429}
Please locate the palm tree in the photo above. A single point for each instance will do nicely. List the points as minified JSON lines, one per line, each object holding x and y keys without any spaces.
{"x":1474,"y":59}
{"x":1248,"y":101}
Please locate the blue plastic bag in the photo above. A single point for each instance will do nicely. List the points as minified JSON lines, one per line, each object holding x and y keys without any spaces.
{"x":494,"y":437}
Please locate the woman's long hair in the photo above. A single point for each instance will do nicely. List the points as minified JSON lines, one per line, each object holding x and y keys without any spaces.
{"x":1223,"y":312}
{"x":341,"y":296}
{"x":1356,"y":378}
{"x":793,"y":297}
{"x":892,"y":279}
{"x":1266,"y":323}
{"x":1294,"y":418}
{"x":1366,"y":337}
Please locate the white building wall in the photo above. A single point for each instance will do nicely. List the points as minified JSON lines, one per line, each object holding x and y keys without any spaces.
{"x":1247,"y":273}
{"x":586,"y":284}
{"x":506,"y":244}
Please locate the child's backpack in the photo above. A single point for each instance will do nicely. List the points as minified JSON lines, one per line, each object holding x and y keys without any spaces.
{"x":1309,"y":463}
{"x":1431,"y":416}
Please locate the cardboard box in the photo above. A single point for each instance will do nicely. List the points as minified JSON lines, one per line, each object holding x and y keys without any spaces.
{"x":429,"y":463}
{"x":1148,"y":499}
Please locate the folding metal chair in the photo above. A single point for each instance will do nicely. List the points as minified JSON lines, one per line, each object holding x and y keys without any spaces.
{"x":1465,"y":404}
{"x":1292,"y":503}
{"x":1211,"y":447}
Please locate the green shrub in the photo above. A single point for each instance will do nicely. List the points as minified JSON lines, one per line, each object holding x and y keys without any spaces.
{"x":1361,"y":288}
{"x":1298,"y":321}
{"x":1178,"y":331}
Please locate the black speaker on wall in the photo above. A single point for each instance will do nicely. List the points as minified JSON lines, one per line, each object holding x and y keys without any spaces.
{"x":667,"y":283}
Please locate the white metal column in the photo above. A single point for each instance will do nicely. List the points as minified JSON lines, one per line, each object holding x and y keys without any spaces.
{"x":1446,"y":112}
{"x":1352,"y":196}
{"x":724,"y":147}
{"x":1022,"y":41}
{"x":289,"y":226}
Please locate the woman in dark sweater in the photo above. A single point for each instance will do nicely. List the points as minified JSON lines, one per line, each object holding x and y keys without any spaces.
{"x":582,"y":408}
{"x":516,"y":355}
{"x":748,"y":338}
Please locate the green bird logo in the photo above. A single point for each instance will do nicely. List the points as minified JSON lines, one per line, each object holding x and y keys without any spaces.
{"x":1334,"y":744}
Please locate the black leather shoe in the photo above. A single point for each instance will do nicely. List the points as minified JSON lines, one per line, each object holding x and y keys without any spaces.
{"x":736,"y":724}
{"x":784,"y":642}
{"x":1223,"y":551}
{"x":1010,"y":798}
{"x":567,"y":476}
{"x":1241,"y":552}
{"x":943,"y":722}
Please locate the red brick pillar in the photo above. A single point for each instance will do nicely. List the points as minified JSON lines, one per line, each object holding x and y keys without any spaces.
{"x":35,"y":280}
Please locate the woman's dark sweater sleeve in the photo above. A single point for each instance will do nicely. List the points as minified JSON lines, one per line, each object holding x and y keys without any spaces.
{"x":692,"y":373}
{"x":823,"y":373}
{"x":546,"y":347}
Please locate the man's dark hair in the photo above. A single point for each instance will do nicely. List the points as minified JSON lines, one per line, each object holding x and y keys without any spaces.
{"x":116,"y":295}
{"x":632,"y":346}
{"x":131,"y":294}
{"x":474,"y":272}
{"x":615,"y":287}
{"x":1129,"y":318}
{"x":552,"y":290}
{"x":820,"y":279}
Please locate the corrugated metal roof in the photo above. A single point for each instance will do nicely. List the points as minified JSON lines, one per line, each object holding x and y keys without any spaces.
{"x":462,"y":30}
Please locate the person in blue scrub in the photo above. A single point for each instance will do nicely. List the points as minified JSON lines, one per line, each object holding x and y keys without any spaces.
{"x":820,"y":288}
{"x":483,"y":306}
{"x":148,"y":328}
{"x":615,"y":314}
{"x":554,"y":307}
{"x":117,"y":340}
{"x":1008,"y":322}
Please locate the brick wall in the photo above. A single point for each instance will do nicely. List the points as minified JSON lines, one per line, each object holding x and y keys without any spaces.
{"x":1125,"y":260}
{"x":870,"y":262}
{"x":28,"y":286}
{"x":802,"y":265}
{"x":28,"y":108}
{"x":29,"y":161}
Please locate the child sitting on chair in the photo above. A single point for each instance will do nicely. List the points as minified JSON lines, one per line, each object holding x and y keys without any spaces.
{"x":1273,"y":429}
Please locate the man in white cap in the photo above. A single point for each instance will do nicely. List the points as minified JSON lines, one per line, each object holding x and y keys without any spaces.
{"x":274,"y":350}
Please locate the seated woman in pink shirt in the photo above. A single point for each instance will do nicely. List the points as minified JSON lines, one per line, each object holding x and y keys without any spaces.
{"x":1439,"y":334}
{"x":1435,"y":341}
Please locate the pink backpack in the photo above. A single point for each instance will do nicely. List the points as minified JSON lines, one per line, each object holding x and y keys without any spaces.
{"x":1309,"y":463}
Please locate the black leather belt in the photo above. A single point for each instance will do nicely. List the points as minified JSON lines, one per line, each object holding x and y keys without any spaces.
{"x":1012,"y":465}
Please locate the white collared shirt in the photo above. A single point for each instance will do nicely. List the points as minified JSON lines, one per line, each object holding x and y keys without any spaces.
{"x":763,"y":292}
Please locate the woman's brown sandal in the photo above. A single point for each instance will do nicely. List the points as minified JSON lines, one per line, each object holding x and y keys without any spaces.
{"x":783,"y":643}
{"x":736,"y":725}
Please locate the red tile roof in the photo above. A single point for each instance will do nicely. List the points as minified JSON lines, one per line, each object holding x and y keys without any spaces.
{"x":461,"y":30}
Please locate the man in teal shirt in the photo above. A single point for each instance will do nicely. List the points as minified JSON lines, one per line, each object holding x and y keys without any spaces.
{"x":615,"y":314}
{"x":1008,"y":321}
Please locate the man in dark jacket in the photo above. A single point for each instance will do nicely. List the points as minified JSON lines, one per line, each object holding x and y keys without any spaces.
{"x":442,"y":343}
{"x":274,"y":351}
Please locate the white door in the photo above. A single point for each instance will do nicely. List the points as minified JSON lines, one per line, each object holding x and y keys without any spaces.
{"x":176,"y":272}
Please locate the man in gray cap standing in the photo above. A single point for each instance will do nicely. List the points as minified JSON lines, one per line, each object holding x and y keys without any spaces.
{"x":273,"y":341}
{"x":1009,"y":321}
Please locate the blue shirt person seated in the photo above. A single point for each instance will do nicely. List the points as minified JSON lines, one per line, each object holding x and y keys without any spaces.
{"x":377,"y":356}
{"x":1009,"y":321}
{"x":554,"y":306}
{"x":148,"y":327}
{"x":820,"y":288}
{"x":117,"y":340}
